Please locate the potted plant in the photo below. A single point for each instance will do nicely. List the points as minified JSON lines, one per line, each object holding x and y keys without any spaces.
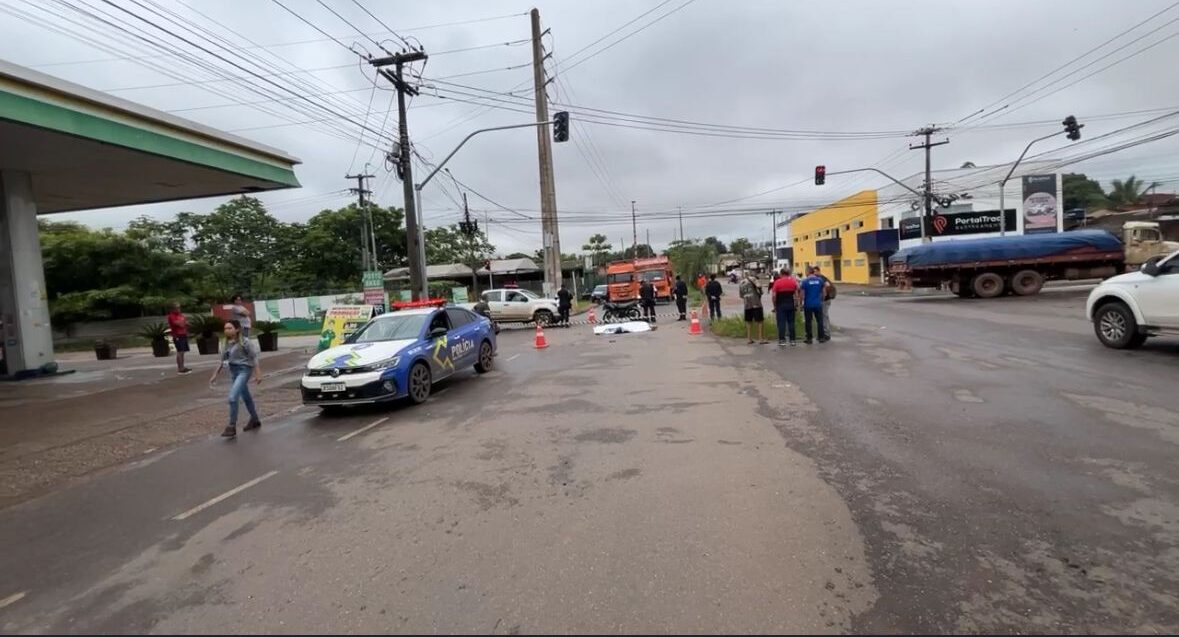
{"x":207,"y":327}
{"x":157,"y":334}
{"x":105,"y":350}
{"x":268,"y":335}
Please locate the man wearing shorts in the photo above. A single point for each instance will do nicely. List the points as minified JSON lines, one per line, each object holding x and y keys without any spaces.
{"x":751,"y":296}
{"x":178,"y":324}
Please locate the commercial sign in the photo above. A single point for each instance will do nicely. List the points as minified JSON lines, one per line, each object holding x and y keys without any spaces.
{"x":957,"y":223}
{"x":374,"y":290}
{"x":340,"y":322}
{"x":1041,"y":211}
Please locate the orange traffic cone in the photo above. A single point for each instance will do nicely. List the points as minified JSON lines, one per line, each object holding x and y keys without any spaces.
{"x":541,"y":343}
{"x":694,"y":327}
{"x":592,"y":319}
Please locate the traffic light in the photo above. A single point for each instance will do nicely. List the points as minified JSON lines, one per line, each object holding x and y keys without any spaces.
{"x":561,"y":126}
{"x":820,"y":175}
{"x":1072,"y":129}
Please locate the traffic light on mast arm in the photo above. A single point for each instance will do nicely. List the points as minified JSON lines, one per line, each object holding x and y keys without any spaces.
{"x":561,"y":126}
{"x":820,"y":175}
{"x":1072,"y":129}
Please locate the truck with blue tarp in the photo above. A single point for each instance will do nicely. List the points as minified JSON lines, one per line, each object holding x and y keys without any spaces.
{"x":1020,"y":264}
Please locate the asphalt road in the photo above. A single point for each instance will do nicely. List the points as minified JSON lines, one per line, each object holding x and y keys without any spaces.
{"x":605,"y":484}
{"x":1009,"y":473}
{"x":940,"y":466}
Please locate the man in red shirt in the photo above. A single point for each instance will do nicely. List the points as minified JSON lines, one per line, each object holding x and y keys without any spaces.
{"x":784,"y":293}
{"x":178,"y":323}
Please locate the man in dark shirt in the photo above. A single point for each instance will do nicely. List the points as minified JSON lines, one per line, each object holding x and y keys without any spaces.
{"x":564,"y":304}
{"x":647,"y":300}
{"x":680,"y":291}
{"x":713,"y":291}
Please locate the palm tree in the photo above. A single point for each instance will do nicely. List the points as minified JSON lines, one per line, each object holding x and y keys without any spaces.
{"x":597,"y":245}
{"x":1128,"y":192}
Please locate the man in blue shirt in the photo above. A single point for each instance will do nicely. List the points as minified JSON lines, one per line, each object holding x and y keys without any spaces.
{"x":814,"y":290}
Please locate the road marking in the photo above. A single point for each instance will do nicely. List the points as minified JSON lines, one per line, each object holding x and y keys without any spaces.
{"x":514,"y":357}
{"x":361,"y":430}
{"x":224,"y":496}
{"x":12,"y":599}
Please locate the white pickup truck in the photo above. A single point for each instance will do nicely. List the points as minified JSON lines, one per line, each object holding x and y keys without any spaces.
{"x":1129,"y":308}
{"x":509,"y":305}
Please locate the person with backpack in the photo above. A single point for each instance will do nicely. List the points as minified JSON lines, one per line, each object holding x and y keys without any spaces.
{"x":829,"y":296}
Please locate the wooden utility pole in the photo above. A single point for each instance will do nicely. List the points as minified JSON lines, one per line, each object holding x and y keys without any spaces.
{"x":414,"y":247}
{"x":928,"y":131}
{"x":549,"y":233}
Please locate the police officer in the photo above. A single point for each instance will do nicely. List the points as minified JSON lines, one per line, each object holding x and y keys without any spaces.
{"x":647,"y":300}
{"x":681,"y":297}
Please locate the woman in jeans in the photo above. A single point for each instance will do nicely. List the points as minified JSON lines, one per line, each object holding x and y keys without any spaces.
{"x":242,"y":359}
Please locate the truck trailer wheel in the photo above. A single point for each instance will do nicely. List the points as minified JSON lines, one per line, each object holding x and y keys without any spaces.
{"x":987,"y":285}
{"x":1027,"y":282}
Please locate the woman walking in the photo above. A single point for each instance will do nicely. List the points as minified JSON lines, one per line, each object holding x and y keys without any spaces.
{"x":242,"y":359}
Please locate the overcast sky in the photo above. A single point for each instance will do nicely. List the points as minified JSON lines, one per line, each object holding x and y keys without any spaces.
{"x":847,"y":67}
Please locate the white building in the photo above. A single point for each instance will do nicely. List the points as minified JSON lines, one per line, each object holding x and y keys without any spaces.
{"x":974,"y":214}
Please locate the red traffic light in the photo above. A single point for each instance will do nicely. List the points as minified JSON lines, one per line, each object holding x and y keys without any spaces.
{"x":820,"y":175}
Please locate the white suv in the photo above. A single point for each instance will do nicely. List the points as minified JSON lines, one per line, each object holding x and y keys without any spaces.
{"x":1129,"y":308}
{"x":512,"y":304}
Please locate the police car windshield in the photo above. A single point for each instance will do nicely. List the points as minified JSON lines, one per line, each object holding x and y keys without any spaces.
{"x":392,"y":328}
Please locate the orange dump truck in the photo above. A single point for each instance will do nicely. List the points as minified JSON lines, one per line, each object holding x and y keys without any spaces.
{"x":657,"y":272}
{"x":621,"y":282}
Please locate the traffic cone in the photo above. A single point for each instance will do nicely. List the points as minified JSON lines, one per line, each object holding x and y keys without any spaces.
{"x":592,"y":319}
{"x":541,"y":343}
{"x":694,"y":327}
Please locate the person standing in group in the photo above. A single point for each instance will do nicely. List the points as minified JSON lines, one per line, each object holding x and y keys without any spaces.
{"x":713,"y":291}
{"x":647,"y":300}
{"x":241,"y":313}
{"x":242,"y":359}
{"x":701,"y":281}
{"x":754,"y":313}
{"x":564,"y":304}
{"x":828,"y":296}
{"x":813,"y":291}
{"x":784,"y":292}
{"x":178,"y":325}
{"x":680,"y":291}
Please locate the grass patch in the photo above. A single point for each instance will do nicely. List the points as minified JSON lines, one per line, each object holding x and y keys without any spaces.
{"x":734,"y":327}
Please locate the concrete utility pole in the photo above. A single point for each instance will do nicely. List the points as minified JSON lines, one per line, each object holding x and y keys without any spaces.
{"x":774,"y":245}
{"x":548,"y":192}
{"x":415,"y":250}
{"x":928,"y":132}
{"x":367,"y":233}
{"x":634,"y":230}
{"x":681,"y":223}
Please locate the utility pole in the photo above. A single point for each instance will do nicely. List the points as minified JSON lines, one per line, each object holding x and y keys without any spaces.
{"x":550,"y":235}
{"x":472,"y":231}
{"x":414,"y":246}
{"x":367,"y":235}
{"x":928,"y":132}
{"x":681,"y":223}
{"x":648,"y":237}
{"x":634,"y":229}
{"x":774,"y":245}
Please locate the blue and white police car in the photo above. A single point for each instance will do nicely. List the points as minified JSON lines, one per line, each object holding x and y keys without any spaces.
{"x":399,"y":355}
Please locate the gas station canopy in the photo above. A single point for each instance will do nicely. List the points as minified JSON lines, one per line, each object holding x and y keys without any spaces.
{"x":86,"y":149}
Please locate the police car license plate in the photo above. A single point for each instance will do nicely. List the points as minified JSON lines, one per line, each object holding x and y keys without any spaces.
{"x":333,"y":387}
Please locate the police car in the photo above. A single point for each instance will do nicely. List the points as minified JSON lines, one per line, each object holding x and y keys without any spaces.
{"x":399,"y":355}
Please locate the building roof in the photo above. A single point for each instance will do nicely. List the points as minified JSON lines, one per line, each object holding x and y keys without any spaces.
{"x":510,"y":266}
{"x":87,"y":149}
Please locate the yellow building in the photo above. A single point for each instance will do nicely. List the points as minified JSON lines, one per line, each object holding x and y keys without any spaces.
{"x":830,"y":238}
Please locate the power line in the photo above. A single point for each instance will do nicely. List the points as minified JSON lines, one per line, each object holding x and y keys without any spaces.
{"x":625,"y":37}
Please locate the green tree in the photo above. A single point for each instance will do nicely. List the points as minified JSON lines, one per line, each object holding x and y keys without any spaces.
{"x":968,"y":164}
{"x":742,"y":248}
{"x":1128,"y":192}
{"x":1082,"y":192}
{"x":689,"y":258}
{"x":240,"y":240}
{"x":597,"y":246}
{"x":329,"y":246}
{"x":717,"y":245}
{"x":448,"y":244}
{"x":172,"y":236}
{"x":643,"y":251}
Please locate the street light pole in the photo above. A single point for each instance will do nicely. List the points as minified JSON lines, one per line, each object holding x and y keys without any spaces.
{"x":1003,"y":184}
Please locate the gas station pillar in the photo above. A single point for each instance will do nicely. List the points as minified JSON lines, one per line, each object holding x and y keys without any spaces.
{"x":24,"y":307}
